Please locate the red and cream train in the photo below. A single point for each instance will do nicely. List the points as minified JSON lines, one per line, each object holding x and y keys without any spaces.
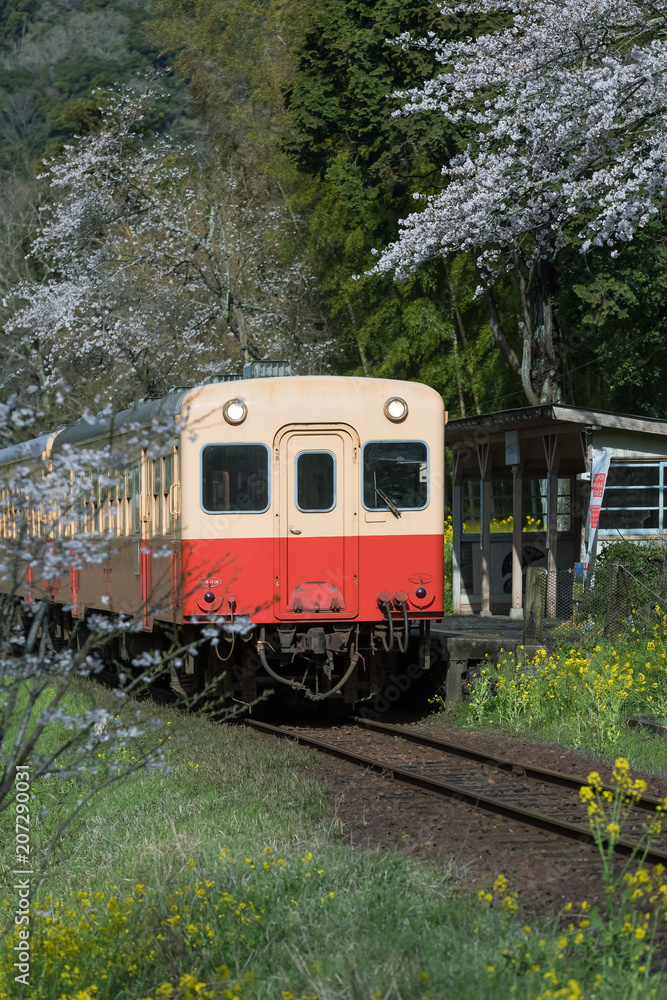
{"x":311,"y":505}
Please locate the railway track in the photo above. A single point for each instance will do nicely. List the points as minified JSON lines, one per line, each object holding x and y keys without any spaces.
{"x":524,"y":793}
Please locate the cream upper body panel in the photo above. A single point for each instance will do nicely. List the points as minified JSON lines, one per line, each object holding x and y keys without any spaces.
{"x":307,"y":404}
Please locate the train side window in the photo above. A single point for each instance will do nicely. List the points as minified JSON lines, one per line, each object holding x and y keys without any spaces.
{"x":111,"y":508}
{"x":103,"y":505}
{"x":135,"y":472}
{"x":315,"y":473}
{"x":235,"y":477}
{"x":395,"y":475}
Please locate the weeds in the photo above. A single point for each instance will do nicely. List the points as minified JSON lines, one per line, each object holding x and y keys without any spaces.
{"x":583,"y":697}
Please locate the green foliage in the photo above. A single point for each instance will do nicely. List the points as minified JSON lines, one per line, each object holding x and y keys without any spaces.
{"x":613,"y":315}
{"x":303,"y":89}
{"x":340,"y":104}
{"x":236,"y":58}
{"x":52,"y":56}
{"x":299,"y":93}
{"x":343,"y":132}
{"x":629,"y":589}
{"x":15,"y":15}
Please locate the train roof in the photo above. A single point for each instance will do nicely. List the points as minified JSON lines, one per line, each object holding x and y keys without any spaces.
{"x":142,"y":413}
{"x":26,"y":449}
{"x":88,"y":429}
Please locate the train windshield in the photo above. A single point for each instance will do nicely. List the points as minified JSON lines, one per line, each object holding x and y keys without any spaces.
{"x":235,"y":477}
{"x":395,"y":475}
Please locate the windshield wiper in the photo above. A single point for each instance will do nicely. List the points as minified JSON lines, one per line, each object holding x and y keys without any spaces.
{"x":390,"y":503}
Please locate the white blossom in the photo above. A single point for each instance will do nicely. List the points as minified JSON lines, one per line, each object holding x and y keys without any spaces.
{"x":566,"y":113}
{"x":158,"y":269}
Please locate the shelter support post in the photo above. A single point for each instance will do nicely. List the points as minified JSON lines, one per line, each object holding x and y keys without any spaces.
{"x":516,"y":610}
{"x":484,"y":458}
{"x":457,"y":528}
{"x":552,"y":449}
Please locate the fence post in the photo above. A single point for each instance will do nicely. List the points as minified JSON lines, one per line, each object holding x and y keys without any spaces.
{"x":536,"y":587}
{"x":617,"y":601}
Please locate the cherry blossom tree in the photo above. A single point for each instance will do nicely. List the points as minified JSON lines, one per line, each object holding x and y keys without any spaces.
{"x":564,"y":107}
{"x":45,"y":651}
{"x":156,"y":268}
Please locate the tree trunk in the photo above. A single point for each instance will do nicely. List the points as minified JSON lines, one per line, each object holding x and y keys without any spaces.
{"x":545,"y":366}
{"x":540,"y":368}
{"x":464,"y":340}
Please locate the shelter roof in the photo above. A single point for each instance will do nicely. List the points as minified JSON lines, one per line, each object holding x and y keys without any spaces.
{"x":535,"y":417}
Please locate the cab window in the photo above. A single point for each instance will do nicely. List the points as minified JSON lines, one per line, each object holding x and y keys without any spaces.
{"x":235,"y":477}
{"x":395,"y":475}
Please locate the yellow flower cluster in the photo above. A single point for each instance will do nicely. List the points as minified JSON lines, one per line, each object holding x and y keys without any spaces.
{"x":589,"y":690}
{"x":104,"y":944}
{"x":499,"y":896}
{"x":504,"y":525}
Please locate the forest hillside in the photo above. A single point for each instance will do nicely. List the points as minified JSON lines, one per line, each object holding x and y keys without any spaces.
{"x":289,"y":180}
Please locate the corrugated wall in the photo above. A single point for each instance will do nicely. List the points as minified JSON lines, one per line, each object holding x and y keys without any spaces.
{"x":630,"y":444}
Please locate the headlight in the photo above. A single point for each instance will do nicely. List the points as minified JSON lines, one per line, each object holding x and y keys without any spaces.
{"x":235,"y":411}
{"x":396,"y":409}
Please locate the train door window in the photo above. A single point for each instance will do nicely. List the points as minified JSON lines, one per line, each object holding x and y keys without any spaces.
{"x":122,"y":503}
{"x":95,"y":506}
{"x":235,"y":477}
{"x":315,"y":473}
{"x":167,"y":481}
{"x":395,"y":475}
{"x":80,"y":491}
{"x":157,"y":496}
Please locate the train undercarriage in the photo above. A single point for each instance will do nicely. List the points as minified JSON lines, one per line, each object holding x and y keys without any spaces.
{"x":349,"y":664}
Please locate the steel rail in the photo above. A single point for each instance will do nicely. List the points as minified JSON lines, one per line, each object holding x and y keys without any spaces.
{"x":649,"y":802}
{"x":434,"y":786}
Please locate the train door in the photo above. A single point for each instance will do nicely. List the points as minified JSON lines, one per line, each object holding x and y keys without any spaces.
{"x":318,"y":523}
{"x":172,"y":487}
{"x":160,"y":531}
{"x":145,"y":544}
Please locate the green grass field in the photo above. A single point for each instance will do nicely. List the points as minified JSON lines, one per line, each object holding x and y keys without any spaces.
{"x":223,"y":878}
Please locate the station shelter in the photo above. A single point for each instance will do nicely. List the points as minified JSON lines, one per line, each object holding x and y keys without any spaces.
{"x":521,"y":496}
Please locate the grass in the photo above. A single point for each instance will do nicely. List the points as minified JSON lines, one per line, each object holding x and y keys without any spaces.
{"x":223,"y":879}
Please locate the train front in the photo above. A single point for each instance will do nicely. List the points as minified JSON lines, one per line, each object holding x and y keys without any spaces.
{"x":312,"y":507}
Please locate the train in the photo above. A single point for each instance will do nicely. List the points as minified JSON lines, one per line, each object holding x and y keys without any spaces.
{"x":302,"y":513}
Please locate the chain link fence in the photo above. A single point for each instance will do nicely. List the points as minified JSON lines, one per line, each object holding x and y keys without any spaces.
{"x":627,"y":591}
{"x":624,"y":595}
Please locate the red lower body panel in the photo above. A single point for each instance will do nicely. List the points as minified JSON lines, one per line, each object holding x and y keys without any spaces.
{"x":256,"y":577}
